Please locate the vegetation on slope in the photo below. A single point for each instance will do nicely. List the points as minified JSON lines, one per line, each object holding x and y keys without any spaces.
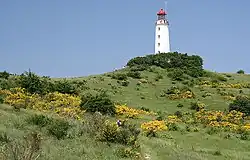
{"x":169,"y":107}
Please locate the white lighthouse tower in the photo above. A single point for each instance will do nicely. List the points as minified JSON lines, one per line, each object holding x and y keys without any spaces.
{"x":162,"y":44}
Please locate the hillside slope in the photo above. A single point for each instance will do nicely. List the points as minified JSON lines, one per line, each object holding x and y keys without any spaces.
{"x":180,"y":114}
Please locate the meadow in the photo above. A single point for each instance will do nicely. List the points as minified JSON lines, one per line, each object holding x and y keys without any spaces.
{"x":167,"y":111}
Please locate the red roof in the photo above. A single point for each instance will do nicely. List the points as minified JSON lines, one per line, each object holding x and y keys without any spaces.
{"x":161,"y":12}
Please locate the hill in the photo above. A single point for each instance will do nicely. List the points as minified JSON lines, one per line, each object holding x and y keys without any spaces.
{"x":170,"y":108}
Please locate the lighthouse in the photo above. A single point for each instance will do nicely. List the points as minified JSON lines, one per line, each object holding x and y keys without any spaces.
{"x":162,"y":44}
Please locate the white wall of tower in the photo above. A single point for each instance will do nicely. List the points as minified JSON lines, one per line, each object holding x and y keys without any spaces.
{"x":162,"y":40}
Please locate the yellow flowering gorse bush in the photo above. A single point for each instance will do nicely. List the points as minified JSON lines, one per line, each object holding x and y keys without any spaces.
{"x":154,"y":126}
{"x":182,"y":95}
{"x":232,"y":120}
{"x":173,"y":119}
{"x":62,"y":104}
{"x":131,"y":112}
{"x":224,"y":85}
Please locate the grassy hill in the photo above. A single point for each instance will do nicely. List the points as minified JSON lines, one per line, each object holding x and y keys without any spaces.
{"x":172,"y":94}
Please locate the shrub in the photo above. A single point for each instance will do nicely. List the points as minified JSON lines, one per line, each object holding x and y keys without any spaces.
{"x":178,"y":114}
{"x":152,"y":127}
{"x":1,"y":99}
{"x":180,"y":105}
{"x":119,"y":76}
{"x":241,"y":71}
{"x":65,"y":86}
{"x":59,"y":128}
{"x":108,"y":132}
{"x":93,"y":123}
{"x":124,"y":83}
{"x":39,"y":120}
{"x":191,"y":65}
{"x":176,"y":74}
{"x":134,"y":74}
{"x":158,"y":77}
{"x":128,"y":134}
{"x":222,"y":78}
{"x":145,"y":109}
{"x":4,"y":75}
{"x":33,"y":83}
{"x":98,"y":126}
{"x":179,"y":92}
{"x":127,"y":152}
{"x":98,"y":103}
{"x":173,"y":127}
{"x":8,"y":83}
{"x":197,"y":106}
{"x":139,"y":68}
{"x":189,"y":83}
{"x":241,"y":104}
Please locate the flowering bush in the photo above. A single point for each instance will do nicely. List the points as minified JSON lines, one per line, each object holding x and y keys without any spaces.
{"x":229,"y":98}
{"x":109,"y":131}
{"x":173,"y":119}
{"x":231,"y":120}
{"x":63,"y":104}
{"x":154,"y":126}
{"x":197,"y":106}
{"x":224,"y":85}
{"x":176,"y":92}
{"x":131,"y":112}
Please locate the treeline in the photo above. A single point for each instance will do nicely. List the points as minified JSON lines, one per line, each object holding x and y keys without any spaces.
{"x":40,"y":85}
{"x":174,"y":61}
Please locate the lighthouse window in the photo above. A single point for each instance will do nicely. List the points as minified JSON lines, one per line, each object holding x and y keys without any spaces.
{"x":159,"y":44}
{"x":159,"y":28}
{"x":159,"y":36}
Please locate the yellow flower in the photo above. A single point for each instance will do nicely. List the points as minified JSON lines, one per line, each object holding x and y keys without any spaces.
{"x":154,"y":126}
{"x":130,"y":112}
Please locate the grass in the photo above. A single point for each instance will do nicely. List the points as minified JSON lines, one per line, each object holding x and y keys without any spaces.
{"x":169,"y":145}
{"x":174,"y":145}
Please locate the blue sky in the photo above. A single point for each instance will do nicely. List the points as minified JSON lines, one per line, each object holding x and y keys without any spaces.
{"x":62,"y":38}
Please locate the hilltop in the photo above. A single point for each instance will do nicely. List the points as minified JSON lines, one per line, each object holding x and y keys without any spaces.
{"x":171,"y":107}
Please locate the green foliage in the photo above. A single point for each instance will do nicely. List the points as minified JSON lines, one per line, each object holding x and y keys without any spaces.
{"x":100,"y":102}
{"x":189,"y":83}
{"x":59,"y":128}
{"x":100,"y":127}
{"x":33,"y":83}
{"x":215,"y":77}
{"x":119,"y":76}
{"x":134,"y":74}
{"x":27,"y":149}
{"x":127,"y":152}
{"x":124,"y":83}
{"x":138,"y":68}
{"x":158,"y":77}
{"x":4,"y":75}
{"x":176,"y":74}
{"x":197,"y":106}
{"x":39,"y":120}
{"x":127,"y":134}
{"x":65,"y":86}
{"x":242,"y":104}
{"x":145,"y":109}
{"x":180,"y":105}
{"x":178,"y":114}
{"x":9,"y":83}
{"x":191,"y":65}
{"x":1,"y":99}
{"x":42,"y":85}
{"x":241,"y":72}
{"x":173,"y":127}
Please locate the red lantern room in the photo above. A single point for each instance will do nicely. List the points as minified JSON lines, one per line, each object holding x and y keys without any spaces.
{"x":161,"y":14}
